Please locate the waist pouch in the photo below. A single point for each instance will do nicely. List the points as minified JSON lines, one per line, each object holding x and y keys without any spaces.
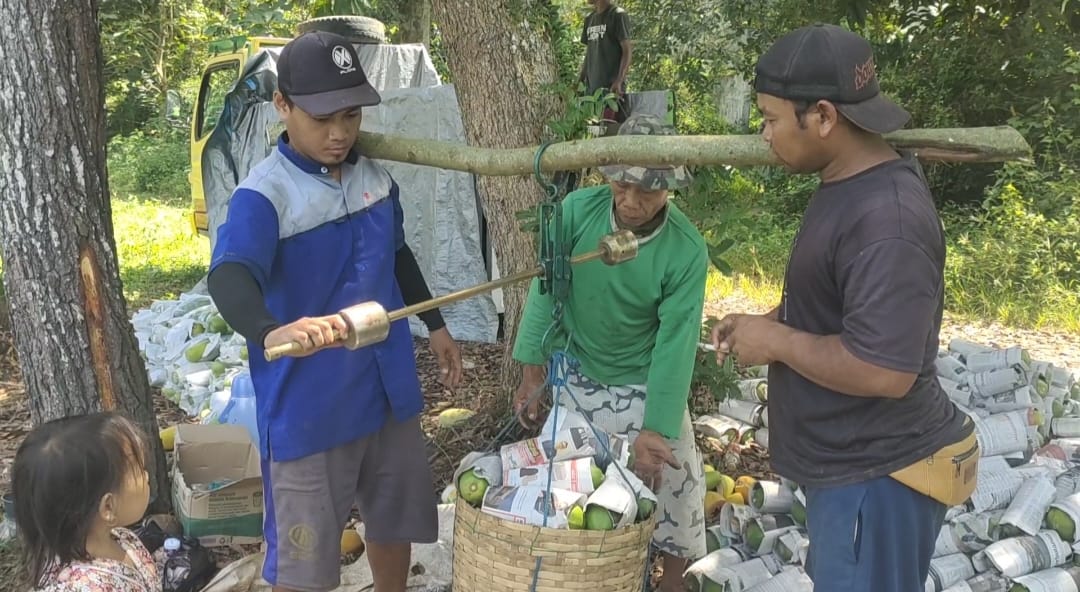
{"x":948,"y":475}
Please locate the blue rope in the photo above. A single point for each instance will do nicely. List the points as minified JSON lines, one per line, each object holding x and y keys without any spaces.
{"x":560,"y":384}
{"x":558,"y":381}
{"x":600,"y":436}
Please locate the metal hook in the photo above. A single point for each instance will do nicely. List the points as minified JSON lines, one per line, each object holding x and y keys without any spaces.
{"x":549,"y":186}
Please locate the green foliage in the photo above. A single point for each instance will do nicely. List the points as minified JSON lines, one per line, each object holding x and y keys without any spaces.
{"x":1012,"y":68}
{"x":681,"y":44}
{"x":1009,"y":261}
{"x":565,"y":40}
{"x":582,"y":111}
{"x":961,"y":64}
{"x":152,"y":47}
{"x":740,"y":220}
{"x":153,"y":162}
{"x":1011,"y":229}
{"x":438,"y":55}
{"x":720,"y":380}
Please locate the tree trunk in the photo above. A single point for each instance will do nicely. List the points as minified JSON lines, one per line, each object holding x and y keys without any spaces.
{"x":500,"y":63}
{"x":416,"y":21}
{"x":76,"y":346}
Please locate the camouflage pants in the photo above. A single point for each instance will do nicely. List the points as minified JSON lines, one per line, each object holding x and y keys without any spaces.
{"x":680,"y":526}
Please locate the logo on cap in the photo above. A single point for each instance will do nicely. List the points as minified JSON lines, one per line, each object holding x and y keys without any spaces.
{"x":864,"y":73}
{"x":342,"y":59}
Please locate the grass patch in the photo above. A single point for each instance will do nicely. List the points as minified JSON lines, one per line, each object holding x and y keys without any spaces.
{"x":1057,"y":309}
{"x":160,"y":255}
{"x":985,"y":280}
{"x":763,"y":293}
{"x":1012,"y":262}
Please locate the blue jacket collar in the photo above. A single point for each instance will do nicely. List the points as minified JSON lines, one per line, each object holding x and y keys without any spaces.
{"x":306,"y":164}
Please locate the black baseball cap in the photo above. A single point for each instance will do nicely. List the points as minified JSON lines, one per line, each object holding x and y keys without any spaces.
{"x":320,"y":72}
{"x":827,"y":62}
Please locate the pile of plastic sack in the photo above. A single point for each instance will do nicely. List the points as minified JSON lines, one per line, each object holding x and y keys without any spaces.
{"x":190,"y":352}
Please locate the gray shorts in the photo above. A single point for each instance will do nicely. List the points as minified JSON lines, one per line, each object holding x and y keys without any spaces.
{"x":308,"y":501}
{"x":680,"y":509}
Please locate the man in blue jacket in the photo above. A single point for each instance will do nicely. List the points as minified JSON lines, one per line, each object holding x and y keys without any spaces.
{"x":314,"y":228}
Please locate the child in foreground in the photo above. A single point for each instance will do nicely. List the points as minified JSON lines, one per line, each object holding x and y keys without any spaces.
{"x":77,"y":482}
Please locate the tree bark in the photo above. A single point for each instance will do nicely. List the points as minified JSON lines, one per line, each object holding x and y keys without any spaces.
{"x":963,"y":145}
{"x":76,"y":346}
{"x":416,"y":21}
{"x":500,"y":62}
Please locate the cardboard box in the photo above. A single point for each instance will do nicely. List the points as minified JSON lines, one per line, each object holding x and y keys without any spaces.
{"x":230,"y":511}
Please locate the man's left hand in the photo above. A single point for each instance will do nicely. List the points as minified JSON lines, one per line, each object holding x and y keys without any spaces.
{"x":750,"y":337}
{"x":449,"y":355}
{"x":651,"y":453}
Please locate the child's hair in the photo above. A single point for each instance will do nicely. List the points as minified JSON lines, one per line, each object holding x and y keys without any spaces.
{"x":61,"y":472}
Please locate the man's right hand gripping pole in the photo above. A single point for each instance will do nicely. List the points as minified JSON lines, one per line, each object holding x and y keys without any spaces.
{"x":312,"y":333}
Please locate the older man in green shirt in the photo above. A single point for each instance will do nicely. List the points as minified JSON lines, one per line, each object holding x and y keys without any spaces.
{"x":633,"y":329}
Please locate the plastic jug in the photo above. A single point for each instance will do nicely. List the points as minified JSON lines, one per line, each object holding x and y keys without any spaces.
{"x":240,"y":409}
{"x":218,"y":401}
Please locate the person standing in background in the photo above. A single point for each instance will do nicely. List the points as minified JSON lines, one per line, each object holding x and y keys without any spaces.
{"x":608,"y":50}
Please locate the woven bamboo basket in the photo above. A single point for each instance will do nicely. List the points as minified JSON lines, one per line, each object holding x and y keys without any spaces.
{"x":495,"y":555}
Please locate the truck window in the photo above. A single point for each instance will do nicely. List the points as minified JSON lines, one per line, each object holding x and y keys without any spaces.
{"x":216,"y":83}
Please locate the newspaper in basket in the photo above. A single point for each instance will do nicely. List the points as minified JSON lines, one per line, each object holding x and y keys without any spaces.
{"x":532,"y":504}
{"x":579,"y":474}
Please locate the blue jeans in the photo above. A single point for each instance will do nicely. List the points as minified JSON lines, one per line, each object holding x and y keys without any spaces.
{"x":873,"y":536}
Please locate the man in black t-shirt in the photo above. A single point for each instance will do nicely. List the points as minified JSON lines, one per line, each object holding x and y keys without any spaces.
{"x":856,"y":413}
{"x":606,"y":35}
